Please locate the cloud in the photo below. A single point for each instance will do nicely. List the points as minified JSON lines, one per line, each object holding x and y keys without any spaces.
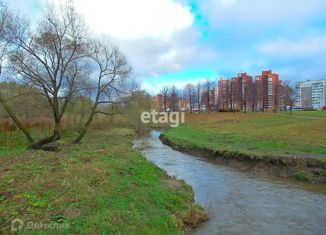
{"x":227,"y":2}
{"x":156,"y":36}
{"x":152,"y":57}
{"x":251,"y":13}
{"x":282,"y":47}
{"x":155,"y":89}
{"x":130,"y":19}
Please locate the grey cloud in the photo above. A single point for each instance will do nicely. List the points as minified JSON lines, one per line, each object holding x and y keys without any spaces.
{"x":153,"y":56}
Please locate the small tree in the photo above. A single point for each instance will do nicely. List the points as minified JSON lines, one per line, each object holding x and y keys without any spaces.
{"x":189,"y":93}
{"x":244,"y":97}
{"x":165,"y":94}
{"x":276,"y":96}
{"x":231,"y":94}
{"x":207,"y":91}
{"x":254,"y":97}
{"x":7,"y":22}
{"x":174,"y":99}
{"x":138,"y":102}
{"x":112,"y":72}
{"x":198,"y":95}
{"x":286,"y":94}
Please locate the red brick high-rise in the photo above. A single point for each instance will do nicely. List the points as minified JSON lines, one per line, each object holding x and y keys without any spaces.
{"x":223,"y":94}
{"x":243,"y":92}
{"x":266,"y":89}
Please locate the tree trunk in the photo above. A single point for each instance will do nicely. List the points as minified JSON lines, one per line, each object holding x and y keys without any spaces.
{"x":85,"y":128}
{"x":16,"y":120}
{"x":56,"y":136}
{"x":165,"y":100}
{"x":40,"y":143}
{"x":198,"y":101}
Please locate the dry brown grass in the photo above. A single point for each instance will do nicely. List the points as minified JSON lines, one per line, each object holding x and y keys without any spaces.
{"x":46,"y":123}
{"x":7,"y":125}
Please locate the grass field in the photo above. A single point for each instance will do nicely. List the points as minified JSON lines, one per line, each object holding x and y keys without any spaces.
{"x":259,"y":134}
{"x":100,"y":187}
{"x":319,"y":114}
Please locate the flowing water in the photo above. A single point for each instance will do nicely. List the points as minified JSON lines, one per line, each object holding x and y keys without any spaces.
{"x":239,"y":203}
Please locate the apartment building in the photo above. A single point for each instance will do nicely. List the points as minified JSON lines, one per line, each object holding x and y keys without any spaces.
{"x":242,"y":85}
{"x":311,"y":94}
{"x":247,"y":94}
{"x":266,"y":86}
{"x":223,"y":94}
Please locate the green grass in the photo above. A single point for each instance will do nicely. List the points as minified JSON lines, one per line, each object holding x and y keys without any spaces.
{"x":259,"y":134}
{"x":100,"y":187}
{"x":15,"y":143}
{"x":301,"y":175}
{"x":320,"y":114}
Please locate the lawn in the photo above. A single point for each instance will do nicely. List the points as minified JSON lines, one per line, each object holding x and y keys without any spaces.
{"x":100,"y":187}
{"x":258,"y":134}
{"x":319,"y":114}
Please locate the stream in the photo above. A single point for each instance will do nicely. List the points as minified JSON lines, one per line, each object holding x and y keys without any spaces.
{"x":238,"y":202}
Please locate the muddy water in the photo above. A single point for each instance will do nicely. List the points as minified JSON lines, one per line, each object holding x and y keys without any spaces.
{"x":239,"y":203}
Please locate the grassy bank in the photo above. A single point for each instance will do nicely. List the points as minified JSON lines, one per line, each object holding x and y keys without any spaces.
{"x":258,"y":135}
{"x":102,"y":186}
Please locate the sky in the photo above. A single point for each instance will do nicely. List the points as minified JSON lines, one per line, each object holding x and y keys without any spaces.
{"x":175,"y":42}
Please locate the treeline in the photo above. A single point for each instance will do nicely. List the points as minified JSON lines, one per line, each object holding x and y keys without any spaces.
{"x":207,"y":96}
{"x":57,"y":69}
{"x":198,"y":97}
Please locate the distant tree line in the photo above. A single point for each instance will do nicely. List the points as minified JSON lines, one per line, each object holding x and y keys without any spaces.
{"x":193,"y":98}
{"x":205,"y":96}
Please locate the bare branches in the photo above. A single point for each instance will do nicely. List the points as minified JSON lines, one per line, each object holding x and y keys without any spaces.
{"x":190,"y":96}
{"x":61,"y":61}
{"x":165,"y":94}
{"x":53,"y":58}
{"x":112,"y":79}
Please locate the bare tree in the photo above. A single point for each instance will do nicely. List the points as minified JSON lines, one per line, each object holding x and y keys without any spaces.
{"x":198,"y":95}
{"x":165,"y":94}
{"x":244,"y":97}
{"x":231,"y":94}
{"x":112,"y":73}
{"x":51,"y":59}
{"x":6,"y":19}
{"x":276,"y":96}
{"x":189,"y":92}
{"x":223,"y":95}
{"x":207,"y":91}
{"x":173,"y":99}
{"x":286,"y":94}
{"x":254,"y":97}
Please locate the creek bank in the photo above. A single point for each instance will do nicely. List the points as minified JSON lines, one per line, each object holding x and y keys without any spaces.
{"x":310,"y":170}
